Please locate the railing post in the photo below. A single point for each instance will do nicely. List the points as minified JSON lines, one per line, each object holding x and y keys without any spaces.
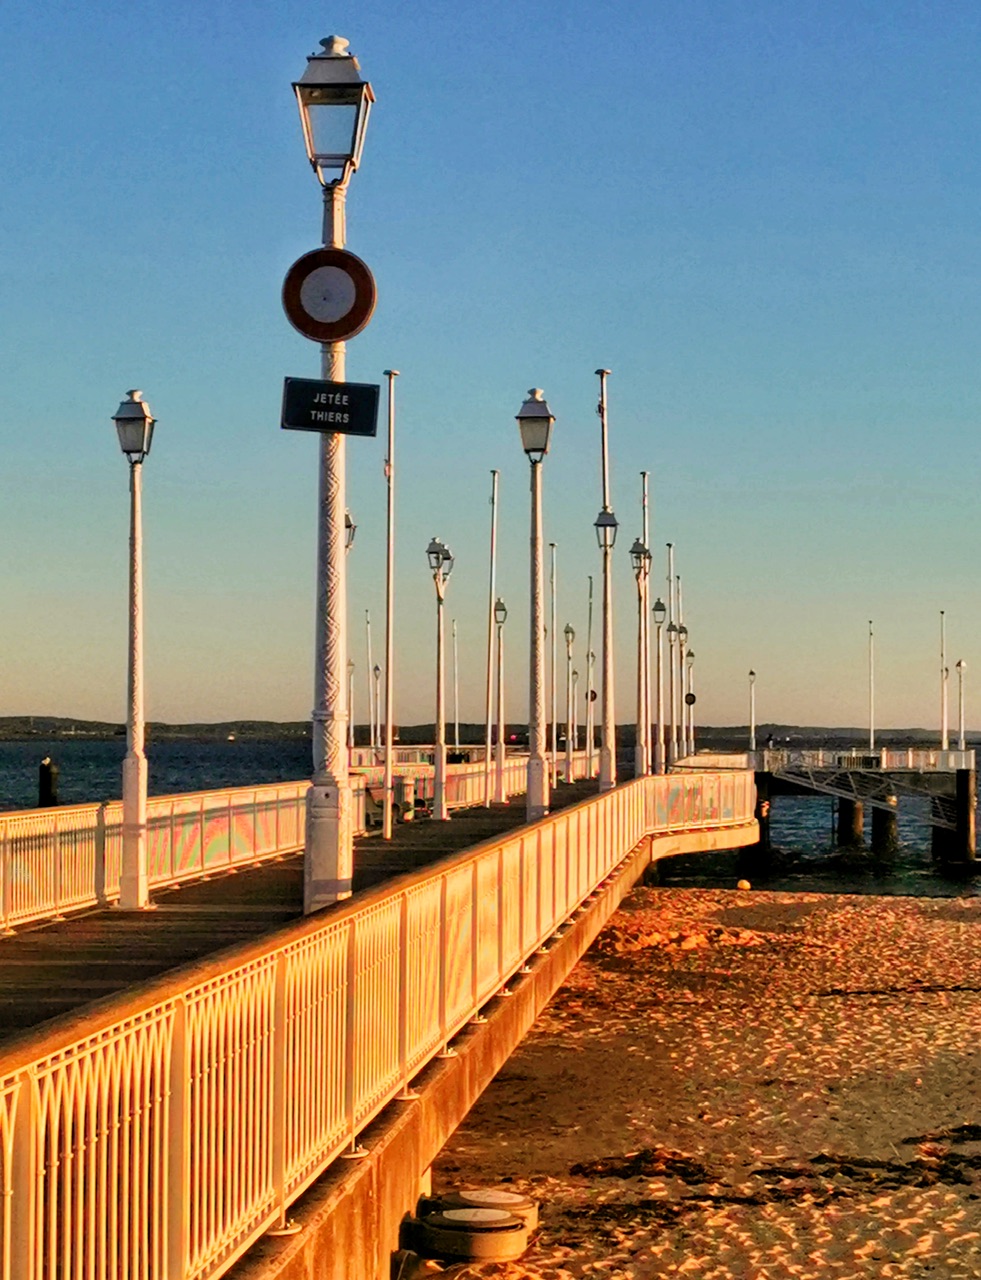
{"x":5,"y":877}
{"x":279,"y":1085}
{"x":99,"y":869}
{"x":23,"y":1248}
{"x":57,"y":867}
{"x":178,"y":1170}
{"x":350,"y":1039}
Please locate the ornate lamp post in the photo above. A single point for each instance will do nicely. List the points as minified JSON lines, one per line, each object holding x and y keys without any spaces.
{"x":660,"y":613}
{"x":641,"y":560}
{"x":500,"y":617}
{"x":752,"y":711}
{"x":575,"y":710}
{"x":961,"y":666}
{"x":350,"y":702}
{"x":606,"y":535}
{"x":441,"y":563}
{"x":570,"y":636}
{"x":672,"y":633}
{"x":388,"y":780}
{"x":134,"y":426}
{"x":329,"y":296}
{"x":535,"y":422}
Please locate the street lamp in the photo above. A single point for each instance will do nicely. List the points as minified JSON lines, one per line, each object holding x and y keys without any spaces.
{"x":672,"y":632}
{"x":329,"y":297}
{"x":682,"y":704}
{"x":376,"y":671}
{"x":660,"y":613}
{"x":500,"y":617}
{"x":752,"y":711}
{"x":606,"y":535}
{"x":690,"y":700}
{"x":134,"y":426}
{"x":570,"y":636}
{"x":441,"y":563}
{"x":961,"y":666}
{"x":641,"y":560}
{"x":350,"y":529}
{"x":575,"y":710}
{"x":535,"y":422}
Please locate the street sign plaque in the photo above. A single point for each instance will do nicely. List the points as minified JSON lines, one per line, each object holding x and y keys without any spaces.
{"x":349,"y":408}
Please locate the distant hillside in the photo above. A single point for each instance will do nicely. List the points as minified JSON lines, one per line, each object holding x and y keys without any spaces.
{"x":720,"y":737}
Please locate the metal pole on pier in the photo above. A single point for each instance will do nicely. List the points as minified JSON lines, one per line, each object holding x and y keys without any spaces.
{"x":491,"y":597}
{"x":961,"y":739}
{"x":500,"y":792}
{"x":134,"y":426}
{"x":871,"y":687}
{"x":752,"y":710}
{"x":944,"y":673}
{"x":456,"y":692}
{"x":389,"y":782}
{"x":646,"y":640}
{"x":554,"y":766}
{"x":590,"y":688}
{"x":441,"y":563}
{"x":372,"y":735}
{"x":660,"y":612}
{"x":672,"y":664}
{"x":606,"y":533}
{"x":535,"y":422}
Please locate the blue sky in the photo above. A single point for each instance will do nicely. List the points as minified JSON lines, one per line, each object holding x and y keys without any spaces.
{"x":762,"y":217}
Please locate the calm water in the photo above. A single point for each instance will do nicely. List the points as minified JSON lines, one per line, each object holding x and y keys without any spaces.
{"x":89,"y":769}
{"x":801,"y":828}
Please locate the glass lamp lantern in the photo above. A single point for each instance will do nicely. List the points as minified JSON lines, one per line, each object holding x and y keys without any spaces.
{"x":434,"y":554}
{"x":134,"y":425}
{"x":535,"y":422}
{"x":689,"y":659}
{"x":334,"y":106}
{"x":606,"y":527}
{"x":569,"y":634}
{"x":640,"y":557}
{"x":350,"y":529}
{"x":752,"y":677}
{"x":660,"y":612}
{"x":500,"y":612}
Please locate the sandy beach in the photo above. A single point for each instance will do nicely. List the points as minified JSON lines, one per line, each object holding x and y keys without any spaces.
{"x":748,"y":1084}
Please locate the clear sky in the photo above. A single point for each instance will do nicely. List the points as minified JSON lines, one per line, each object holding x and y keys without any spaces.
{"x":763,"y":217}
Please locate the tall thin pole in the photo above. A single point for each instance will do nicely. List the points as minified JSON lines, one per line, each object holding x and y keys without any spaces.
{"x":672,"y":662}
{"x":440,"y":810}
{"x":491,"y":596}
{"x":659,"y":740}
{"x":329,"y":861}
{"x":871,"y":687}
{"x":682,"y":705}
{"x":537,"y":796}
{"x":752,"y":711}
{"x":590,"y":661}
{"x":944,"y":732}
{"x":568,"y":706}
{"x":350,"y":703}
{"x":389,"y":782}
{"x":554,"y":766}
{"x":646,"y":628}
{"x":575,"y":710}
{"x":456,"y":692}
{"x":500,"y":791}
{"x":134,"y":887}
{"x":961,"y":733}
{"x":608,"y":745}
{"x":372,"y":736}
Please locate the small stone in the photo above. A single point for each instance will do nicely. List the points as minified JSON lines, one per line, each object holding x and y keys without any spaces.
{"x":744,"y":884}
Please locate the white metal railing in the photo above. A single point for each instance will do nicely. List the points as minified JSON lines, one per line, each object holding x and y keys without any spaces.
{"x":161,"y":1133}
{"x":68,"y":858}
{"x":773,"y":759}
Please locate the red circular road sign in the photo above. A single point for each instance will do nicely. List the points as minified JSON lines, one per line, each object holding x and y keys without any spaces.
{"x":329,"y":295}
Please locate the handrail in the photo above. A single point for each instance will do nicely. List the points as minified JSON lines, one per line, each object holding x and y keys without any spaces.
{"x":161,"y":1132}
{"x":68,"y":858}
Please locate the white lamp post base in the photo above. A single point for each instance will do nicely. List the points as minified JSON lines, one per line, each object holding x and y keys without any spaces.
{"x":134,"y":882}
{"x":538,"y":791}
{"x":329,"y":863}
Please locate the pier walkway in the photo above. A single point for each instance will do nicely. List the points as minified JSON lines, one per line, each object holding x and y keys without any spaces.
{"x":56,"y":966}
{"x":167,"y":1128}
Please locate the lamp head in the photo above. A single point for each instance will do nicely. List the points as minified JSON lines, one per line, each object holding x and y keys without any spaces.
{"x":535,"y":422}
{"x":569,"y":634}
{"x":752,"y":677}
{"x":334,"y":105}
{"x":350,"y":529}
{"x":134,"y":425}
{"x":500,"y":612}
{"x":660,"y":612}
{"x":606,"y":526}
{"x":639,"y":556}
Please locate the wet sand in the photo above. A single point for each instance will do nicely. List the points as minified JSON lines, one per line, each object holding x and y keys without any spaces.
{"x":748,"y":1084}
